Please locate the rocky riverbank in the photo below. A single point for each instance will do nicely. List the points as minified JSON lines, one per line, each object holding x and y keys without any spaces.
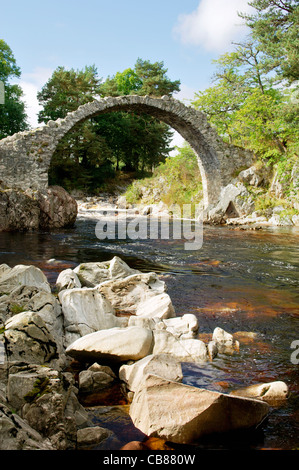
{"x":256,"y":196}
{"x":103,"y":327}
{"x":26,"y":210}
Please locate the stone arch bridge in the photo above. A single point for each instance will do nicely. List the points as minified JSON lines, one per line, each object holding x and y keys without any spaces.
{"x":25,"y":157}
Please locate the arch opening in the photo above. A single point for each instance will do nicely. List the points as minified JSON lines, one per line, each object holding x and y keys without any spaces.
{"x":176,"y":115}
{"x":25,"y":157}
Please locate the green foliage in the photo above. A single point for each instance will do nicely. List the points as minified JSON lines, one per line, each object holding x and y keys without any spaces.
{"x":145,"y":79}
{"x":8,"y":65}
{"x":16,"y":308}
{"x":12,"y":112}
{"x":177,"y":181}
{"x":275,"y":25}
{"x":247,"y":108}
{"x":92,"y":151}
{"x":138,"y":141}
{"x":66,"y":90}
{"x":265,"y":202}
{"x":154,"y":79}
{"x":40,"y":387}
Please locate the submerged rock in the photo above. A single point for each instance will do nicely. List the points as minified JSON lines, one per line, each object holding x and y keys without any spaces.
{"x":272,"y":392}
{"x":92,"y":436}
{"x":182,"y":414}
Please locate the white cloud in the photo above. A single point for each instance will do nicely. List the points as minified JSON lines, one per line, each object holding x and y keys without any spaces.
{"x":31,"y":83}
{"x":185,"y":94}
{"x":213,"y":25}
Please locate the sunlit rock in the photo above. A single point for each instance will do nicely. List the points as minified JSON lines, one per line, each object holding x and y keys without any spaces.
{"x":183,"y":414}
{"x":115,"y":345}
{"x":157,"y":306}
{"x":272,"y":392}
{"x":134,"y":292}
{"x":185,"y":326}
{"x":86,"y":311}
{"x":94,"y":273}
{"x":185,"y":350}
{"x":67,"y":279}
{"x":22,"y":275}
{"x":162,"y":365}
{"x":225,"y":341}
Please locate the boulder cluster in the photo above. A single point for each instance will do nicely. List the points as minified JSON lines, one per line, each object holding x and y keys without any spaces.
{"x":118,"y":325}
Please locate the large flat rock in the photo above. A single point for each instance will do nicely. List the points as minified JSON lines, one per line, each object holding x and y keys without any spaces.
{"x":115,"y":345}
{"x":182,"y":414}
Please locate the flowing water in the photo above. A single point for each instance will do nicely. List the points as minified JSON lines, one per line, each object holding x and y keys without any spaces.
{"x":244,"y":281}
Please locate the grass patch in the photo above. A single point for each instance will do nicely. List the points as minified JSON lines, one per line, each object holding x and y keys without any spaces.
{"x":40,"y":387}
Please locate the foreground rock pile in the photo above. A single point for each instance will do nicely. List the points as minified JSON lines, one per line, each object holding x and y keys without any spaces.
{"x":119,"y":326}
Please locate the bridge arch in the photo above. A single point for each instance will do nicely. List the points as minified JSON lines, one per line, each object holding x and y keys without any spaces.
{"x":26,"y":156}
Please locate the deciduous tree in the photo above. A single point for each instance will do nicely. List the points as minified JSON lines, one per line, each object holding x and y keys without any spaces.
{"x":13,"y":117}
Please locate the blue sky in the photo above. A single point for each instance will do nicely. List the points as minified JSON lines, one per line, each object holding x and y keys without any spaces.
{"x":185,"y":34}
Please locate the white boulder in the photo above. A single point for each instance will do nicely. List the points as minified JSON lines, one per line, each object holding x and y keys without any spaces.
{"x":22,"y":275}
{"x":67,"y":279}
{"x":183,"y":414}
{"x":128,"y":294}
{"x":93,"y":273}
{"x":158,"y":306}
{"x":225,"y":341}
{"x":162,"y":365}
{"x":272,"y":392}
{"x":185,"y":326}
{"x":86,"y":311}
{"x":115,"y":345}
{"x":185,"y":350}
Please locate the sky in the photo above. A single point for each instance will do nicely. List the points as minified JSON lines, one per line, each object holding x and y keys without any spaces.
{"x":186,"y":35}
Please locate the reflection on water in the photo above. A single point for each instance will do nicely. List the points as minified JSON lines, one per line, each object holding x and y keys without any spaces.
{"x":242,"y":281}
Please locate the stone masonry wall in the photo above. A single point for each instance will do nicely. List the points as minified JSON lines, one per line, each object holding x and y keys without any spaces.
{"x":25,"y":157}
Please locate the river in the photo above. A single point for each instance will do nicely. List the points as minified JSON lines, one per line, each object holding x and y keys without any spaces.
{"x":240,"y":280}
